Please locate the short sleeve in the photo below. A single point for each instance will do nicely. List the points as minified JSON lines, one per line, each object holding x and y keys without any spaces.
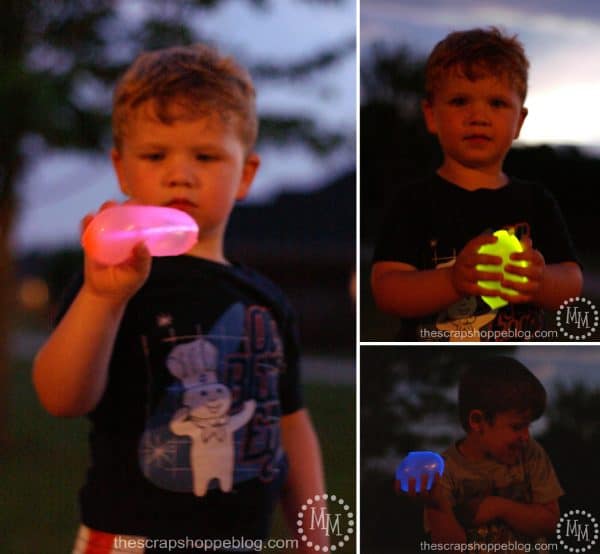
{"x":550,"y":233}
{"x":544,"y":482}
{"x":403,"y":222}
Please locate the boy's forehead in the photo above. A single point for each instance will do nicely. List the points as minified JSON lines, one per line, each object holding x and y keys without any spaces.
{"x":514,"y":416}
{"x":152,"y":114}
{"x":153,"y":111}
{"x":457,"y":76}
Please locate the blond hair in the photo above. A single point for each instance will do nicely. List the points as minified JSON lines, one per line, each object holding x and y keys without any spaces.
{"x":475,"y":53}
{"x":196,"y":79}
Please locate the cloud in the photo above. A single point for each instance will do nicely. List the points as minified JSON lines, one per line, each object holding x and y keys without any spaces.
{"x":562,"y":40}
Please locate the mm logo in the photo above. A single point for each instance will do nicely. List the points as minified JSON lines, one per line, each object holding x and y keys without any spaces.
{"x":577,"y":318}
{"x":321,"y":519}
{"x":577,"y":531}
{"x":325,"y":523}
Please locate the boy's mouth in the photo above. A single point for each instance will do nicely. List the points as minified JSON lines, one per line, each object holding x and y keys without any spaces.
{"x":478,"y":138}
{"x":180,"y":204}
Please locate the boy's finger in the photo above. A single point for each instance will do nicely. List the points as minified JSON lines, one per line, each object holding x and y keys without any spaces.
{"x":140,"y":255}
{"x":412,"y":486}
{"x":424,"y":480}
{"x":522,"y":288}
{"x":481,"y":240}
{"x":485,"y":259}
{"x":87,"y":219}
{"x":532,"y":272}
{"x":107,"y":204}
{"x":488,"y":276}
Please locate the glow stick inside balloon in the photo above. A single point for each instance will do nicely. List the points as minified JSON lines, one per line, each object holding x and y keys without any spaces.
{"x":112,"y":234}
{"x":415,"y":465}
{"x":506,"y":245}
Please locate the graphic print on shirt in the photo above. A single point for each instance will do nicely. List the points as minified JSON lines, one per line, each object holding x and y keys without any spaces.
{"x":461,"y":319}
{"x":218,"y":422}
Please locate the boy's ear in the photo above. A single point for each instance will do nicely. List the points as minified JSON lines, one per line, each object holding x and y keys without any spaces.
{"x":115,"y":156}
{"x":251,"y":166}
{"x":476,"y":419}
{"x":522,"y":116}
{"x":427,"y":109}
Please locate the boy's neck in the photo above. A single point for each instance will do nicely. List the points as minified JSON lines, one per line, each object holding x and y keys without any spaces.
{"x":209,"y":248}
{"x":469,"y":448}
{"x":472,"y":179}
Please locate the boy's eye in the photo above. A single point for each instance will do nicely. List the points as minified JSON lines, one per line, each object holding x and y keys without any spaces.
{"x":458,"y":101}
{"x":153,"y":156}
{"x":498,"y":103}
{"x":205,"y":157}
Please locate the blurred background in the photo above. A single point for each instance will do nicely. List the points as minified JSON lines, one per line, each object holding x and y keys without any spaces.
{"x":408,"y":401}
{"x":60,"y":60}
{"x":560,"y":141}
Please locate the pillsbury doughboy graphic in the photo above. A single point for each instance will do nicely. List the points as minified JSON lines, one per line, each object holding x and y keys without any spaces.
{"x":190,"y":443}
{"x":204,"y":416}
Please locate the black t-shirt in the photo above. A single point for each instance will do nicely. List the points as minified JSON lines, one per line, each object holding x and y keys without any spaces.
{"x":431,"y":221}
{"x":185,"y":441}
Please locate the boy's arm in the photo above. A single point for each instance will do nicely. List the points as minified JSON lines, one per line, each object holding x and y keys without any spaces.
{"x":444,"y":526}
{"x":70,"y":371}
{"x":400,"y":289}
{"x":439,"y":515}
{"x":561,"y":281}
{"x":533,"y":520}
{"x":549,"y":285}
{"x":305,"y":478}
{"x":403,"y":290}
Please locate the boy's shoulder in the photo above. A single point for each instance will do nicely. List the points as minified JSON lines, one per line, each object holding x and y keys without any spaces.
{"x":263,"y":284}
{"x":457,"y":465}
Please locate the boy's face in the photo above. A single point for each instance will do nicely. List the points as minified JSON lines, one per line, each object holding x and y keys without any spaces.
{"x":475,"y":121}
{"x":196,"y":165}
{"x":506,"y":437}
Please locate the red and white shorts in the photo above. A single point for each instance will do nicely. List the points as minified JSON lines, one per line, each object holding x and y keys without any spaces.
{"x":90,"y":541}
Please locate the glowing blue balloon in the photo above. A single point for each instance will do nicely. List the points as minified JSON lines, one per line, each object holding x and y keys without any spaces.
{"x":415,"y":465}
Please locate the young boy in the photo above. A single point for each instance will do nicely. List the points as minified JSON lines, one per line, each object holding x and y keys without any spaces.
{"x":425,"y":264}
{"x":498,"y":484}
{"x":186,"y":366}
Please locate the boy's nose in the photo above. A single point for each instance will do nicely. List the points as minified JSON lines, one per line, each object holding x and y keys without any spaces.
{"x":180,"y":175}
{"x":478,"y":115}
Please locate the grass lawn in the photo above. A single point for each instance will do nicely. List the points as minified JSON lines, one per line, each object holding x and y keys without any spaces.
{"x":45,"y":464}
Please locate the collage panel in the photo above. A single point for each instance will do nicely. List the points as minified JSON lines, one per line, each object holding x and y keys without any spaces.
{"x":177,"y":243}
{"x":480,"y":448}
{"x":476,"y":198}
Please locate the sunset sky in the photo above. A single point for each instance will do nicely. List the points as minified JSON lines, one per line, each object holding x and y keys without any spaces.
{"x":59,"y":187}
{"x":562,"y":40}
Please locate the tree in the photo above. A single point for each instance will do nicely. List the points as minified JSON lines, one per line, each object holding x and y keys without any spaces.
{"x":60,"y":59}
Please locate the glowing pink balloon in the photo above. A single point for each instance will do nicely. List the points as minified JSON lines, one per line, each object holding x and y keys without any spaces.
{"x":113,"y":233}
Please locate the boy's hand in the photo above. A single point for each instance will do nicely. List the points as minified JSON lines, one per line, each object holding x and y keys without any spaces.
{"x":486,"y":510}
{"x":116,"y":282}
{"x":534,"y":272}
{"x":464,"y":272}
{"x":431,"y":498}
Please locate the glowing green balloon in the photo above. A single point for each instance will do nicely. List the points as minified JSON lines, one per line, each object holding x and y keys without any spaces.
{"x":506,"y":245}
